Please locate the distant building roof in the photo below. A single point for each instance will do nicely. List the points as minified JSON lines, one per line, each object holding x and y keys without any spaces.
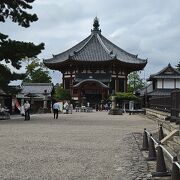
{"x":161,"y":92}
{"x":36,"y":89}
{"x":95,"y":48}
{"x":166,"y":73}
{"x":145,"y":90}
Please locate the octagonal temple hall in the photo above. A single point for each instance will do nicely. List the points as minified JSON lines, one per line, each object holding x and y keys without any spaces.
{"x":95,"y":67}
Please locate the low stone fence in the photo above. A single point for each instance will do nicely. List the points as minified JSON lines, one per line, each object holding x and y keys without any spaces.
{"x":157,"y":114}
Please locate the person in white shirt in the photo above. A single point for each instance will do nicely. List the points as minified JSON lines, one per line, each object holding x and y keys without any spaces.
{"x":56,"y":109}
{"x":66,"y":107}
{"x":27,"y":109}
{"x":22,"y":111}
{"x":71,"y":108}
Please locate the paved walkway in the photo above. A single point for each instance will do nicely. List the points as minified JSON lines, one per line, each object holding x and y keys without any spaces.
{"x":85,"y":146}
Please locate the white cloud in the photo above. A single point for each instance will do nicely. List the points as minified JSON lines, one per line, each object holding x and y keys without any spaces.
{"x":148,"y":28}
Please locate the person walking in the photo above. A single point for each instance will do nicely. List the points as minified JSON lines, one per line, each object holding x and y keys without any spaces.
{"x":27,"y":109}
{"x":56,"y":109}
{"x":71,"y":108}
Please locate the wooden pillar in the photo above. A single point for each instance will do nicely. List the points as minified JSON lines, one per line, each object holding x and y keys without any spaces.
{"x":71,"y":85}
{"x":174,"y":83}
{"x":102,"y":94}
{"x":78,"y":93}
{"x":116,"y":85}
{"x":125,"y":84}
{"x":162,"y":83}
{"x":63,"y":81}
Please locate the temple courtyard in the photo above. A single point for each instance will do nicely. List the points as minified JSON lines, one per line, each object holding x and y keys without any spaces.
{"x":87,"y":146}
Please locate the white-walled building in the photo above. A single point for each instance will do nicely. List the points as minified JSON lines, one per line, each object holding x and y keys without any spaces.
{"x":165,"y":81}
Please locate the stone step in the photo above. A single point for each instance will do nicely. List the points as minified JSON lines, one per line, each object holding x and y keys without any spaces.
{"x":156,"y":113}
{"x":176,"y":139}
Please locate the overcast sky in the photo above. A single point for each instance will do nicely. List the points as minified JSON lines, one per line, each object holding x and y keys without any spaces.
{"x":149,"y":28}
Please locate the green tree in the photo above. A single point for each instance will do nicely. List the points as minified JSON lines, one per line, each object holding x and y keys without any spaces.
{"x":126,"y":96}
{"x":12,"y":51}
{"x":36,"y":72}
{"x":62,"y":94}
{"x":178,"y":66}
{"x":134,"y":82}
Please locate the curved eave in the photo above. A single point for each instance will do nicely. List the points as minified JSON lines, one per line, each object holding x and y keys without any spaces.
{"x":163,"y":77}
{"x":53,"y":65}
{"x":133,"y":66}
{"x":142,"y":63}
{"x":159,"y":76}
{"x":90,"y":80}
{"x":58,"y":65}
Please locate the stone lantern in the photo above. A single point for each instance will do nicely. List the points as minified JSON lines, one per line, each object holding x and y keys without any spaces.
{"x":45,"y":108}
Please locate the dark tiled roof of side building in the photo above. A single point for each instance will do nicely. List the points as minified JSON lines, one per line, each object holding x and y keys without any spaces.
{"x":166,"y":73}
{"x":36,"y":88}
{"x":145,"y":90}
{"x":161,"y":92}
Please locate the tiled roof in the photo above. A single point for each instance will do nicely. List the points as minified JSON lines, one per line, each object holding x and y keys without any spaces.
{"x":95,"y":48}
{"x":166,"y":77}
{"x":161,"y":92}
{"x":166,"y":73}
{"x":145,"y":90}
{"x":36,"y":88}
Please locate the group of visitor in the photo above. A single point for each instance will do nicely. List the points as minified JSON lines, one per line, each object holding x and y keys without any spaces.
{"x":101,"y":107}
{"x":4,"y":111}
{"x":67,"y":108}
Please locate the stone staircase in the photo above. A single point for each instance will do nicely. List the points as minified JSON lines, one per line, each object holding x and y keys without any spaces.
{"x":173,"y":143}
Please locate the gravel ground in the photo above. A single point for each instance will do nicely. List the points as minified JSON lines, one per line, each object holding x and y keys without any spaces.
{"x":86,"y":146}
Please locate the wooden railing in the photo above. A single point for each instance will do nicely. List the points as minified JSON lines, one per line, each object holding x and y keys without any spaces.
{"x":161,"y":103}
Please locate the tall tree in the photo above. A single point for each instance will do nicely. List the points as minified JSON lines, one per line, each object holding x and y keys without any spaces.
{"x":178,"y":66}
{"x":61,"y":94}
{"x":36,"y":72}
{"x":12,"y":51}
{"x":134,"y":82}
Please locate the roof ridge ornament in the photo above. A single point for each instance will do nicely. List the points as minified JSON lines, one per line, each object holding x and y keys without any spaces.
{"x":96,"y":23}
{"x":96,"y":26}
